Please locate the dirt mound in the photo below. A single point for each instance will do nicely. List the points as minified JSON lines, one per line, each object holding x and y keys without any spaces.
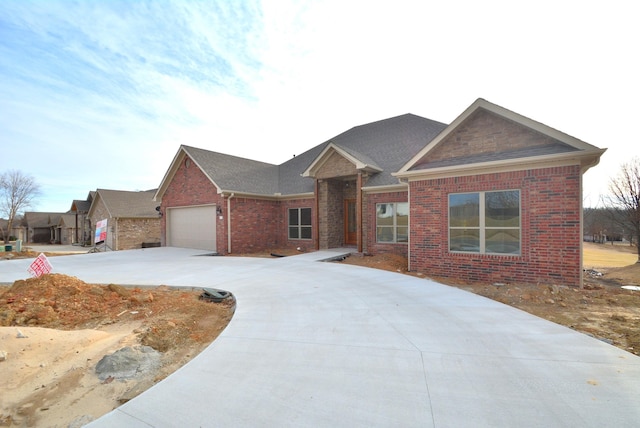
{"x":60,"y":301}
{"x":627,"y":275}
{"x":55,"y":328}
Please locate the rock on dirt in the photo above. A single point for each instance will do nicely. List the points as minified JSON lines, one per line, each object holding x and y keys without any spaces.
{"x":129,"y":362}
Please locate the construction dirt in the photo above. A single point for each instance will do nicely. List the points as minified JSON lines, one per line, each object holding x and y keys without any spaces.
{"x":57,"y":328}
{"x":54,"y":329}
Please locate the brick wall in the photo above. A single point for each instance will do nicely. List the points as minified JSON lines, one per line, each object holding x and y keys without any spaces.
{"x":335,"y":214}
{"x":67,"y":235}
{"x":336,"y":166}
{"x":550,"y":228}
{"x":189,"y":186}
{"x":331,"y":215}
{"x":255,"y":225}
{"x":370,"y":244}
{"x":486,"y":133}
{"x":132,"y":232}
{"x":125,"y":233}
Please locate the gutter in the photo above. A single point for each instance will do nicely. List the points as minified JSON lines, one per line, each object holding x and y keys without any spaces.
{"x":584,"y":159}
{"x":269,"y":197}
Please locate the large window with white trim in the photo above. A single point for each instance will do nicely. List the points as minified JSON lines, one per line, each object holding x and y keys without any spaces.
{"x":300,"y":223}
{"x":392,"y":222}
{"x":485,"y":222}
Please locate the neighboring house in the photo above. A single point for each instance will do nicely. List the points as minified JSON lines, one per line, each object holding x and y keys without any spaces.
{"x":66,"y":229}
{"x":72,"y":227}
{"x":80,"y":210}
{"x":132,"y":218}
{"x":494,"y":197}
{"x":42,"y":228}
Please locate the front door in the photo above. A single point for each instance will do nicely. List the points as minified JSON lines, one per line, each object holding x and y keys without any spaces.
{"x":350,"y":224}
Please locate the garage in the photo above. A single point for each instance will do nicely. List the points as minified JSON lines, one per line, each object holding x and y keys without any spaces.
{"x":192,"y":227}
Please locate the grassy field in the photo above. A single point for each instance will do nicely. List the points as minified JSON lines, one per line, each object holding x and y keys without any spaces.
{"x":608,"y":256}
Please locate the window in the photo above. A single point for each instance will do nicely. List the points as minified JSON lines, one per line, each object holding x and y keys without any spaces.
{"x":485,"y":222}
{"x":392,"y":222}
{"x":299,"y":223}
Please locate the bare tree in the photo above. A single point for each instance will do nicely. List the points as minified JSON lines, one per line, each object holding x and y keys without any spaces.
{"x":17,"y":192}
{"x":625,"y":197}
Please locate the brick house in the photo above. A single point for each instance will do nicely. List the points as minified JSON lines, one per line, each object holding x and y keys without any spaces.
{"x":80,"y":210}
{"x":494,"y":196}
{"x":66,"y":229}
{"x":58,"y":228}
{"x":132,"y":218}
{"x":42,"y":227}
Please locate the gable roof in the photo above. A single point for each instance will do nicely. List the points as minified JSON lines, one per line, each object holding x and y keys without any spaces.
{"x":389,"y":150}
{"x":126,"y":204}
{"x":380,"y":148}
{"x":67,"y":220}
{"x":82,"y":206}
{"x":384,"y":145}
{"x":360,"y":162}
{"x":39,"y":219}
{"x":552,"y":146}
{"x":226,"y":172}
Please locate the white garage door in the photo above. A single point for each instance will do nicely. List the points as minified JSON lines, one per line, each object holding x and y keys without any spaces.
{"x":192,"y":227}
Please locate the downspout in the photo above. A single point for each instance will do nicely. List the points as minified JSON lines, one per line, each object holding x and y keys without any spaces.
{"x":581,"y":282}
{"x":229,"y":222}
{"x":405,"y":180}
{"x":115,"y":236}
{"x":317,"y":219}
{"x":359,"y":212}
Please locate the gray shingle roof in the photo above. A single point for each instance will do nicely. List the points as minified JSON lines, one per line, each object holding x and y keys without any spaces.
{"x":125,"y":204}
{"x":38,"y":219}
{"x":80,"y":205}
{"x":386,"y":144}
{"x":290,"y":180}
{"x":235,"y":173}
{"x":68,"y":220}
{"x":490,"y":157}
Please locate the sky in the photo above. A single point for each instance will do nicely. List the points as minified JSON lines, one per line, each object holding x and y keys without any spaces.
{"x":101,"y":94}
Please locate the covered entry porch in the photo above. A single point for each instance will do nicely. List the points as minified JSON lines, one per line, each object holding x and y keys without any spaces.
{"x":339,"y":220}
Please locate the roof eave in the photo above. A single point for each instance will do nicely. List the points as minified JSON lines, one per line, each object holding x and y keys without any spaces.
{"x":171,"y":171}
{"x":586,"y":159}
{"x":272,"y":196}
{"x":397,"y":187}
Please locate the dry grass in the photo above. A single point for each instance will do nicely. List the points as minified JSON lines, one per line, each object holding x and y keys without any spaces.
{"x":608,"y":255}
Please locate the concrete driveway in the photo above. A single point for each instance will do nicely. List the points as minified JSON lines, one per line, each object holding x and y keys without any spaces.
{"x":325,"y":344}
